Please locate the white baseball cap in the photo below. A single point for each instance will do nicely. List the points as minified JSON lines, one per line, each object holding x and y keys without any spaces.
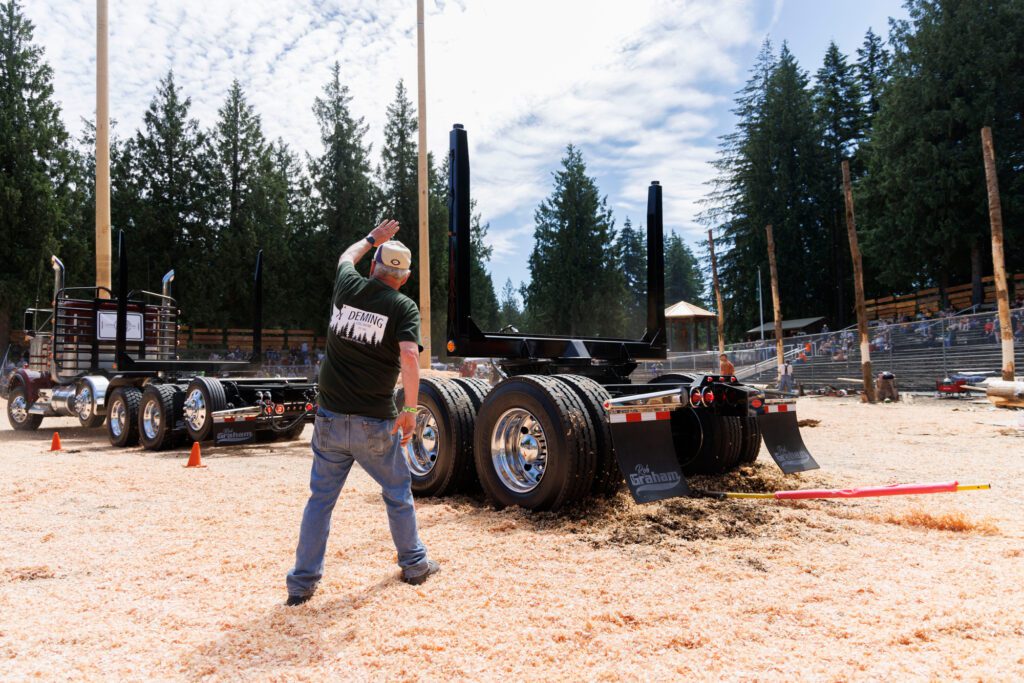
{"x":394,"y":254}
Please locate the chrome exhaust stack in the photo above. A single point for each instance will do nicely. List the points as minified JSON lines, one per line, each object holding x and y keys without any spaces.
{"x":167,"y":280}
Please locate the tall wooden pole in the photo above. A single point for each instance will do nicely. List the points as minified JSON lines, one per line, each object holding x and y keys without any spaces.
{"x":858,"y":288}
{"x":424,"y":199}
{"x":995,"y":217}
{"x":776,"y":303}
{"x":718,"y":294}
{"x":102,"y":152}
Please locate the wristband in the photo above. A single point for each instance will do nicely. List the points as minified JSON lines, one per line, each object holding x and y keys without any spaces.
{"x":407,"y":409}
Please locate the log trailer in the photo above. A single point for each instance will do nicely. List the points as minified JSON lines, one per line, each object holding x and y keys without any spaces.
{"x":567,"y":423}
{"x":115,"y":360}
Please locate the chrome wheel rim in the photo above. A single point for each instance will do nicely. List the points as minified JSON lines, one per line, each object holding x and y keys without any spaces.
{"x":83,"y":403}
{"x":118,"y":417}
{"x":421,"y":451}
{"x":151,"y":419}
{"x":195,"y":410}
{"x":19,"y":409}
{"x":519,"y":450}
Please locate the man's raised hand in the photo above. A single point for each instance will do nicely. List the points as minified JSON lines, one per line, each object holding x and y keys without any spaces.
{"x":384,"y":232}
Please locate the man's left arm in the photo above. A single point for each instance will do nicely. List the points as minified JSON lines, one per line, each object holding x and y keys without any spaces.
{"x":410,"y":359}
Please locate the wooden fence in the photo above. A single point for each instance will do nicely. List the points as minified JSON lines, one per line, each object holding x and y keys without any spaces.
{"x":236,"y":338}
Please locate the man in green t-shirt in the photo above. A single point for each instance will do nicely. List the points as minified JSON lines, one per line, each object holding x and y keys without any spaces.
{"x":373,"y":335}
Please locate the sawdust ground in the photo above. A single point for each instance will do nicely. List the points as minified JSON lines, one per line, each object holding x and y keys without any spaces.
{"x":124,"y":565}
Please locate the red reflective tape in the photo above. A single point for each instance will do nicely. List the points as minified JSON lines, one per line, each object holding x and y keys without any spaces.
{"x":634,"y":417}
{"x":870,"y":491}
{"x":783,"y":408}
{"x":229,"y":419}
{"x":663,"y":415}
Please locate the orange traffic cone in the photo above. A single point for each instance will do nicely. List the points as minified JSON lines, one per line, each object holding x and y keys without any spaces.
{"x":195,"y":458}
{"x":55,"y":444}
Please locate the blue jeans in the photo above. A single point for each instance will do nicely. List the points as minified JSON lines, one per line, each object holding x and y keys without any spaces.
{"x":338,"y":441}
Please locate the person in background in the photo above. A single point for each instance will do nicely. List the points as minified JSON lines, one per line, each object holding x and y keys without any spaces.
{"x":786,"y":377}
{"x":725,"y":367}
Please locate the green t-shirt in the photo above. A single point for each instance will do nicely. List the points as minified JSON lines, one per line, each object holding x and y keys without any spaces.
{"x":368,"y":320}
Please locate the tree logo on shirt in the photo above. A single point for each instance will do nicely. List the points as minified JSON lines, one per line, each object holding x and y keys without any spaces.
{"x":359,"y":326}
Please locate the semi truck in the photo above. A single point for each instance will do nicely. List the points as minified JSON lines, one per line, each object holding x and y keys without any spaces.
{"x":113,"y":358}
{"x":566,"y":422}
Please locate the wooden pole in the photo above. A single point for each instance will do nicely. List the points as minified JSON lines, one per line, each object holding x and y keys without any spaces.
{"x":718,"y":294}
{"x":102,"y":153}
{"x":424,"y":199}
{"x":858,"y":288}
{"x":776,"y":303}
{"x":995,"y":217}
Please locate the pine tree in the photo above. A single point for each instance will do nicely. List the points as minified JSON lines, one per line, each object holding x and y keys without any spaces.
{"x":769,"y":172}
{"x":241,"y":168}
{"x":872,"y":70}
{"x":683,"y":278}
{"x":923,"y":203}
{"x":171,"y":216}
{"x":484,"y":302}
{"x":34,"y":166}
{"x":509,"y":313}
{"x":837,"y":105}
{"x":574,"y":250}
{"x":632,"y":257}
{"x":343,"y":197}
{"x":397,"y":175}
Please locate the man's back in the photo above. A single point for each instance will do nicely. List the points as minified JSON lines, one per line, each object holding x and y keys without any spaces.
{"x":368,"y":320}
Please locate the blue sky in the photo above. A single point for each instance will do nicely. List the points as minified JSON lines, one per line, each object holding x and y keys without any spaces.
{"x":643,"y":87}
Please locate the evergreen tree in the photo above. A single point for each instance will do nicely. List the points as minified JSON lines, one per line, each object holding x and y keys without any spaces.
{"x":484,"y":302}
{"x":872,"y":71}
{"x":955,"y":68}
{"x":170,"y":214}
{"x":632,"y":257}
{"x":509,"y":313}
{"x":837,"y":104}
{"x":343,"y":196}
{"x":241,"y":172}
{"x":34,"y":166}
{"x":683,"y":278}
{"x":770,"y":173}
{"x":398,"y":178}
{"x":576,"y":287}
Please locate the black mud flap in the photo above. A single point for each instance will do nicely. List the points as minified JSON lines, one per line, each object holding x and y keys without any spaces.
{"x":648,"y":460}
{"x":231,"y":433}
{"x":782,"y":437}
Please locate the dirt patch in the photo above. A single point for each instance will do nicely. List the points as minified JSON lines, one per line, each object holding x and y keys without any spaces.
{"x":950,"y":521}
{"x":808,"y":423}
{"x":28,"y":574}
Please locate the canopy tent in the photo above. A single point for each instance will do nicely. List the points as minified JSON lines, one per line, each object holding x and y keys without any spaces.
{"x":682,"y":318}
{"x":788,"y":326}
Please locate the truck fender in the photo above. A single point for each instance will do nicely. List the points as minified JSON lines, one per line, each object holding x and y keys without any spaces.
{"x":98,"y":386}
{"x":32,"y":381}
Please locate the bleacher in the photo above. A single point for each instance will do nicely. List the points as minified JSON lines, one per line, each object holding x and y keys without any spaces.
{"x":918,"y":353}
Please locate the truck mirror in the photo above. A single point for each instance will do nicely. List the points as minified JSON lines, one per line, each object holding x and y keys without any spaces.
{"x":30,"y":323}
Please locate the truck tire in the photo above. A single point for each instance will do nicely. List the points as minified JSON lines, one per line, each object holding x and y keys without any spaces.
{"x":157,"y":416}
{"x":203,"y":397}
{"x":440,"y":455}
{"x":293,"y":433}
{"x":123,"y":417}
{"x":721,"y":446}
{"x":607,"y":475}
{"x":476,"y":388}
{"x":85,"y":407}
{"x":17,"y":410}
{"x":751,"y":440}
{"x":534,"y":444}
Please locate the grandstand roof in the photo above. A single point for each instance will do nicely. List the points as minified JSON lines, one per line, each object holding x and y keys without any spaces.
{"x":787,"y":325}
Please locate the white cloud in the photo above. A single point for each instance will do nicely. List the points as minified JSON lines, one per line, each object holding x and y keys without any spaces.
{"x":637,"y":85}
